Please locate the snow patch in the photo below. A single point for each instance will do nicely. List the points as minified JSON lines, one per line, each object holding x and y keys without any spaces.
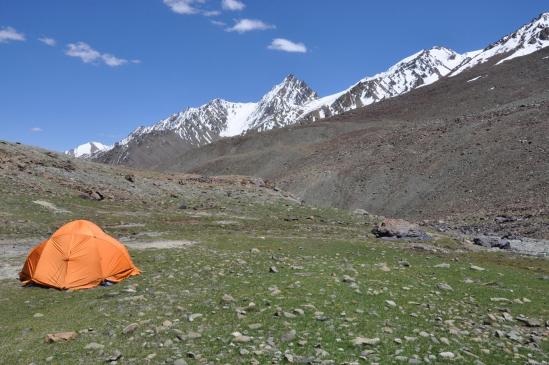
{"x":475,"y":78}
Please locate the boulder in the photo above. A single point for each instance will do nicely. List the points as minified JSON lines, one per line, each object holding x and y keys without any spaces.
{"x":492,"y":242}
{"x":399,"y":228}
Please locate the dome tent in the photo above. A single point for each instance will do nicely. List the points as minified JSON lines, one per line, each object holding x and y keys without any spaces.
{"x":78,"y":255}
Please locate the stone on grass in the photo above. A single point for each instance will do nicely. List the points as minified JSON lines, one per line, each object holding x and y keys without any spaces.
{"x":398,"y":228}
{"x":60,"y":337}
{"x":130,"y":328}
{"x":239,"y":337}
{"x":94,"y":346}
{"x":288,"y":336}
{"x":444,"y":286}
{"x":447,"y":355}
{"x":444,"y":265}
{"x":361,"y":341}
{"x":227,"y":299}
{"x":477,"y":268}
{"x":194,"y":316}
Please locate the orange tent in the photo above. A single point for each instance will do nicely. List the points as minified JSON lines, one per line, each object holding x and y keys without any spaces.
{"x":78,"y":256}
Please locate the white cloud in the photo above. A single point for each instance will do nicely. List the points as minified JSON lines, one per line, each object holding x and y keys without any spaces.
{"x":218,"y":23}
{"x":183,"y":6}
{"x":36,"y":130}
{"x":113,"y":61}
{"x":8,"y":34}
{"x":285,"y":45}
{"x":233,"y":5}
{"x":89,"y":55}
{"x":83,"y":51}
{"x":212,"y":13}
{"x":248,"y":25}
{"x":48,"y":41}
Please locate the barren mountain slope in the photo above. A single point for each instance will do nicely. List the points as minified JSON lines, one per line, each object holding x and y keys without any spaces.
{"x":476,"y":143}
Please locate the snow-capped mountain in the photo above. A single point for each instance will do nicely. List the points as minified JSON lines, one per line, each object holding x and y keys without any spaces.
{"x":293,"y":101}
{"x":88,"y":149}
{"x":201,"y":125}
{"x":221,"y":118}
{"x":527,"y":39}
{"x":195,"y":127}
{"x":420,"y":69}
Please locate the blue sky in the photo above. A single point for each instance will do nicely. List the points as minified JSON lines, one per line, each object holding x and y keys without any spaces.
{"x":73,"y":71}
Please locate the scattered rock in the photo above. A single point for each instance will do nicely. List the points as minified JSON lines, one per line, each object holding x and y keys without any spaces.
{"x":227,"y":299}
{"x":130,"y":328}
{"x":116,"y":355}
{"x":60,"y":337}
{"x":273,"y":269}
{"x":194,"y":316}
{"x":130,"y":178}
{"x":447,"y":355}
{"x":477,"y":268}
{"x":530,"y":322}
{"x":444,"y":286}
{"x":239,"y":337}
{"x":444,"y":265}
{"x":288,"y":336}
{"x":360,"y":341}
{"x":399,"y":228}
{"x":497,"y":300}
{"x":94,"y":346}
{"x":492,"y":242}
{"x":390,"y":303}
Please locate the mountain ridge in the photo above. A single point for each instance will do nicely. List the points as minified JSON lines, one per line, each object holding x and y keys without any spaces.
{"x":293,"y":101}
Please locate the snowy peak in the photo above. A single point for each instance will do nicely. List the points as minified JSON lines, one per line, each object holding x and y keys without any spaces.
{"x":282,"y":105}
{"x":291,"y":91}
{"x":88,"y":149}
{"x":420,"y":69}
{"x":527,"y":39}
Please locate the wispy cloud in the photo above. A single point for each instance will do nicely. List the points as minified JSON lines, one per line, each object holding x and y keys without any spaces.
{"x":218,"y":23}
{"x":9,"y":34}
{"x":184,"y":6}
{"x":211,"y":13}
{"x":48,"y":41}
{"x":248,"y":25}
{"x":233,"y":5}
{"x":36,"y":130}
{"x":113,"y":61}
{"x":285,"y":45}
{"x":89,"y":55}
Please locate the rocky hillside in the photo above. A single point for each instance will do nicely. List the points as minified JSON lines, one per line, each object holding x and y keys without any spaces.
{"x":473,"y":145}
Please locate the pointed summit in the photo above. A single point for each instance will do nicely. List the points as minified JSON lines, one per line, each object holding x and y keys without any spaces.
{"x":282,"y":105}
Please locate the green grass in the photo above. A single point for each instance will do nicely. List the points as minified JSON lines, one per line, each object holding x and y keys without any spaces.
{"x":312,"y":254}
{"x":179,"y":282}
